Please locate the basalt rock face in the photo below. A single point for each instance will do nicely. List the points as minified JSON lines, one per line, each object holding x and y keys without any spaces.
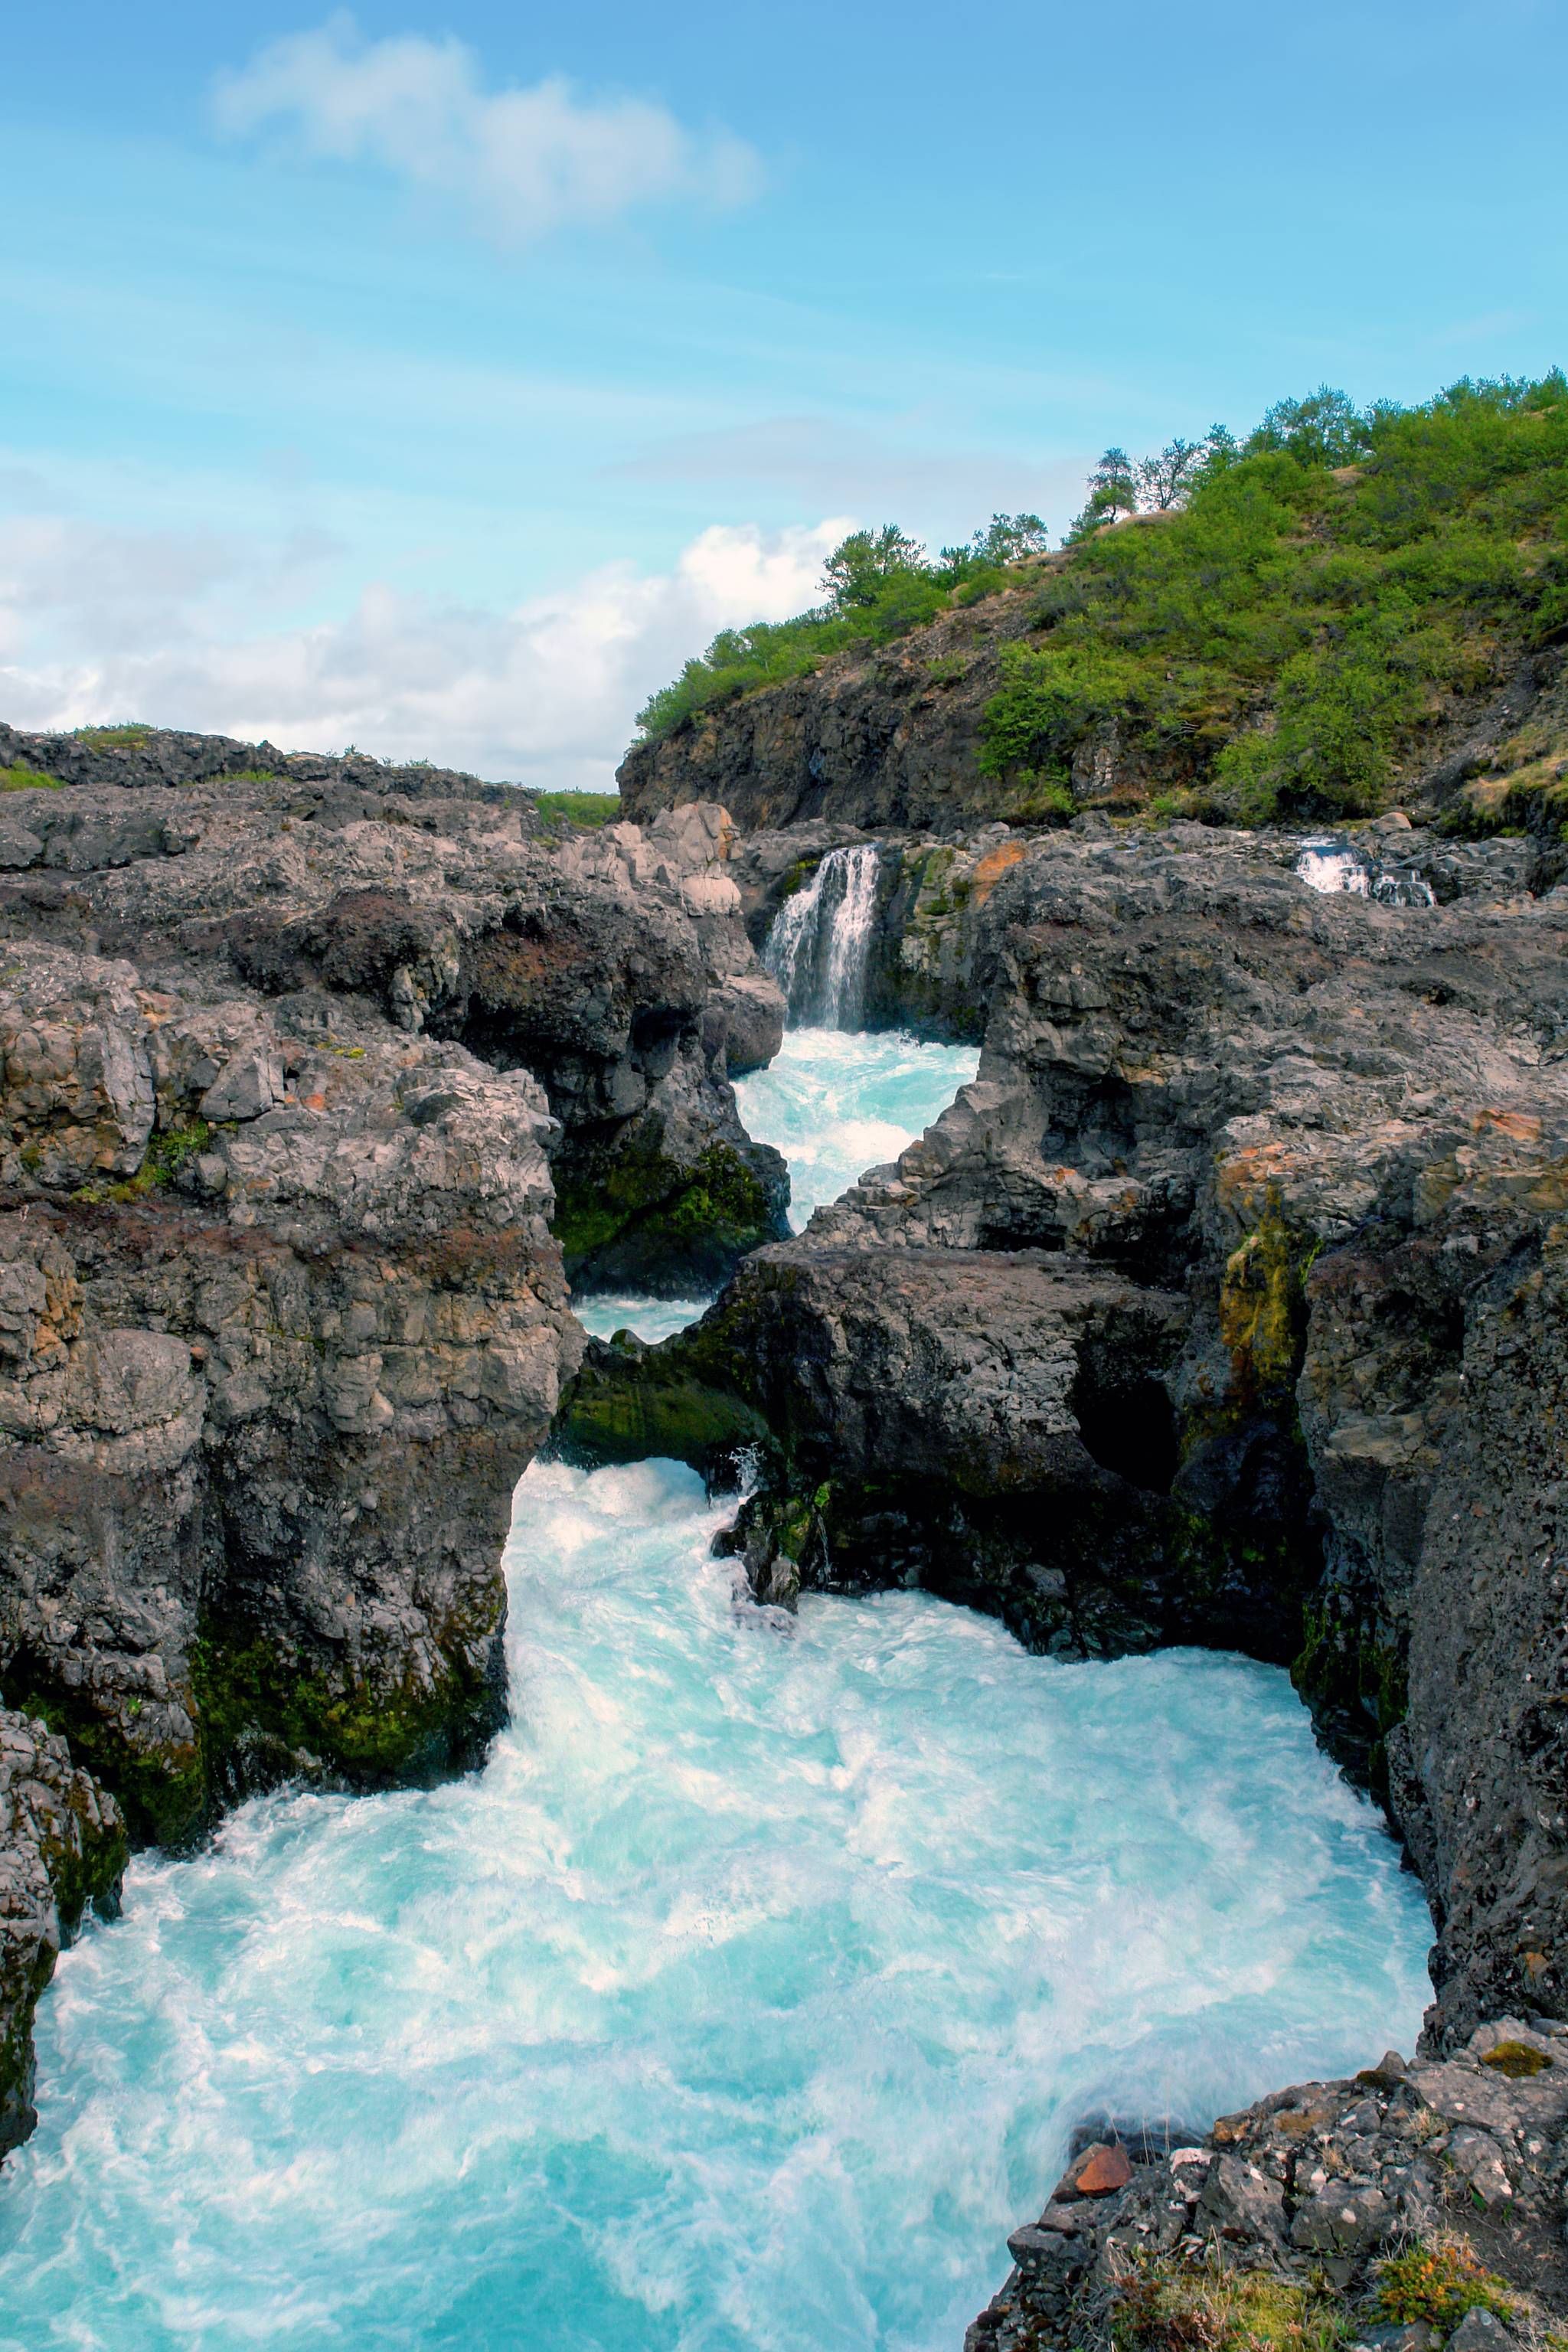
{"x":282,"y":1323}
{"x":996,"y":1431}
{"x":62,"y":1846}
{"x":299,"y":1080}
{"x":879,"y":739}
{"x":1340,"y":1127}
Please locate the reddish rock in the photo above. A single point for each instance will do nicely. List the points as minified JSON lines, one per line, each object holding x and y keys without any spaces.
{"x":1101,"y":2170}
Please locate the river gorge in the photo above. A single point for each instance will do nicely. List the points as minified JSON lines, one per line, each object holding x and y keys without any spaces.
{"x":745,"y":1995}
{"x":721,"y":1548}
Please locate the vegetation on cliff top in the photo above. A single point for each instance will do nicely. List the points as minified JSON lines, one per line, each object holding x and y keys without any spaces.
{"x":1266,"y":626}
{"x":878,"y":584}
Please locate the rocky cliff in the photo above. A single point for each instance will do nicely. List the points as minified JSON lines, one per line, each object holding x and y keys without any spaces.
{"x":62,"y":1847}
{"x":891,"y":738}
{"x":318,"y":1083}
{"x":1225,"y":1305}
{"x":1221,"y":1306}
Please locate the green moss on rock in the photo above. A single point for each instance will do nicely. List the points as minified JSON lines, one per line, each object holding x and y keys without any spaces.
{"x":161,"y":1789}
{"x":654,"y":1214}
{"x":267,"y":1716}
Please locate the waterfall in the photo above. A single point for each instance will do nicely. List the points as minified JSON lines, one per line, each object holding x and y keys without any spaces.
{"x":1329,"y":863}
{"x":820,"y":943}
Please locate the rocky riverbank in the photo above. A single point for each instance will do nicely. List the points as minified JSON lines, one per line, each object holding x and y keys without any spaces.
{"x":318,"y":1083}
{"x":1225,"y":1305}
{"x":1413,"y":2204}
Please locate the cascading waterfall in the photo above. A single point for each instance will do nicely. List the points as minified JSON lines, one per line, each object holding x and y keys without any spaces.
{"x":820,"y":944}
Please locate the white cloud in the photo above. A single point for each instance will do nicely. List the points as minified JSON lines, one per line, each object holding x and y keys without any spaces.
{"x":544,"y":694}
{"x":524,"y":161}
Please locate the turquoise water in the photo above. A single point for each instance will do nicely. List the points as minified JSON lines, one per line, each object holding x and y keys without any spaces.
{"x":742,"y":2004}
{"x":836,"y":1102}
{"x":652,"y":1320}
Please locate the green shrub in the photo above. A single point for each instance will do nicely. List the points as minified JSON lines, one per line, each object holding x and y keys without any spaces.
{"x":1280,"y":638}
{"x":1275,"y":638}
{"x":1438,"y":2280}
{"x":878,"y":585}
{"x":103,"y":738}
{"x":167,"y":1152}
{"x":29,"y":779}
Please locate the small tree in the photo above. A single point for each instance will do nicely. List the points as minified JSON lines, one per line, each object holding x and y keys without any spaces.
{"x":859,"y":568}
{"x":1164,"y":481}
{"x":1009,"y":538}
{"x":1113,"y":492}
{"x":1327,"y":428}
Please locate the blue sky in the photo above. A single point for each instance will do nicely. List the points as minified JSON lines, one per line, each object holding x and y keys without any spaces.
{"x":437,"y":381}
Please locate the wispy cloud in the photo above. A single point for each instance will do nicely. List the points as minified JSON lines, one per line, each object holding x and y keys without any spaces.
{"x":545,"y":693}
{"x":826,"y":463}
{"x":523,"y":161}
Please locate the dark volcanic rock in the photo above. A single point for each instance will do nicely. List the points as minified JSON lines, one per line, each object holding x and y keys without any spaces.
{"x":62,"y":1846}
{"x":1343,"y":1128}
{"x":1314,"y":2187}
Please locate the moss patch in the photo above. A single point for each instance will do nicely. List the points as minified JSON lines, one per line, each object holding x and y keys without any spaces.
{"x":167,"y":1152}
{"x":29,"y":779}
{"x":161,"y":1792}
{"x":631,"y":1403}
{"x":709,"y":1213}
{"x":1352,"y":1672}
{"x":266,"y":1716}
{"x":1438,"y":2280}
{"x":1518,"y":2060}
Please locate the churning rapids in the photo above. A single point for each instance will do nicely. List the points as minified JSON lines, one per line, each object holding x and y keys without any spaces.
{"x":742,"y":2003}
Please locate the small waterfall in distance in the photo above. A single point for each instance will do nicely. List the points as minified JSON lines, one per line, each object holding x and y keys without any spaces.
{"x":820,"y":944}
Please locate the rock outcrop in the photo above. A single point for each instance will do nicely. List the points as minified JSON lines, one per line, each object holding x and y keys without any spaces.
{"x":877,"y":739}
{"x":891,"y":738}
{"x":1461,"y":2162}
{"x":62,"y":1847}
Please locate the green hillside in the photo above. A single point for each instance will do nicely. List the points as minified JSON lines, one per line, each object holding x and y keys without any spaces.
{"x":1268,"y":627}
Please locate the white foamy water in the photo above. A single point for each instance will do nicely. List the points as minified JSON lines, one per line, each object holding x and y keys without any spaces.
{"x":1331,"y":863}
{"x":837,"y":1102}
{"x":629,"y":1310}
{"x":742,"y":2004}
{"x":819,"y":945}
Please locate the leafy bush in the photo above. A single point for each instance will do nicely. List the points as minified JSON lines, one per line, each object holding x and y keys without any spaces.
{"x":1269,"y":624}
{"x":103,"y":738}
{"x":1279,"y":636}
{"x":878,"y":585}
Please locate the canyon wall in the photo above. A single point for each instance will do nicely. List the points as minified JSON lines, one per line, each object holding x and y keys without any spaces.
{"x":318,"y":1085}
